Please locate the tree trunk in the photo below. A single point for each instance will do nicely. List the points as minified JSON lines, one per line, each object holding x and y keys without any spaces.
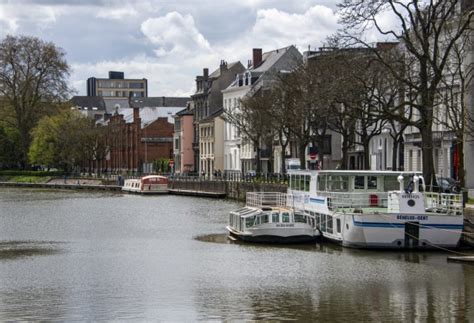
{"x":302,"y":154}
{"x":427,"y":153}
{"x":345,"y":149}
{"x":257,"y":157}
{"x":282,"y":156}
{"x":461,"y":172}
{"x":395,"y":146}
{"x":366,"y":154}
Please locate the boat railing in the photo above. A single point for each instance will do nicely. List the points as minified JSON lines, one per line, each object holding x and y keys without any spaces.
{"x":372,"y":202}
{"x":444,"y":203}
{"x":346,"y":200}
{"x":269,"y":199}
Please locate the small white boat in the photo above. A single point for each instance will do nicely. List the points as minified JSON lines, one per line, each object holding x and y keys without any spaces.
{"x":266,"y":218}
{"x":378,"y":209}
{"x":151,"y":184}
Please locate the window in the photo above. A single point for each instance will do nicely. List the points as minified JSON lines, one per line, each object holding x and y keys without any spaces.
{"x":329,"y":224}
{"x":338,"y":225}
{"x":299,"y":218}
{"x":264,"y":218}
{"x":323,"y":222}
{"x":249,"y":222}
{"x":285,"y":216}
{"x":136,"y":85}
{"x":372,"y":182}
{"x":359,"y":182}
{"x":275,"y":217}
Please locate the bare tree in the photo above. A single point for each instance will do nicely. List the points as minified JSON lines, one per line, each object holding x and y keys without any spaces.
{"x":452,"y":114}
{"x":32,"y":80}
{"x":428,"y":32}
{"x":252,"y":119}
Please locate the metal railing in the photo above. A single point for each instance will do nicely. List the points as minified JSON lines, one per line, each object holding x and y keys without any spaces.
{"x":341,"y":200}
{"x":443,"y":203}
{"x":269,"y":199}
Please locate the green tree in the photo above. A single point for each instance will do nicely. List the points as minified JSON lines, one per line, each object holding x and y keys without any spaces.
{"x":33,"y":75}
{"x":63,"y":140}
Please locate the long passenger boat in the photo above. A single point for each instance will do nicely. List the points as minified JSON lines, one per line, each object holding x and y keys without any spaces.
{"x":377,"y":209}
{"x":151,"y":184}
{"x":268,"y":218}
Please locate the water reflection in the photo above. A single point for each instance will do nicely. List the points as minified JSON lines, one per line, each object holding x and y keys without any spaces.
{"x":82,"y":256}
{"x":18,"y":249}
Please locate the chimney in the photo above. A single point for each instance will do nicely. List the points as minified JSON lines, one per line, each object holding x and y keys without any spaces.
{"x":257,"y":57}
{"x":205,"y":73}
{"x":136,"y":114}
{"x":223,"y":66}
{"x":249,"y":63}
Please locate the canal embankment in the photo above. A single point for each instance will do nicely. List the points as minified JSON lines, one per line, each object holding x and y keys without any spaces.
{"x":71,"y":185}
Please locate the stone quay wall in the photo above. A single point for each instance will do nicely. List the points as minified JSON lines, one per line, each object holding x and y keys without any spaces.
{"x":233,"y":190}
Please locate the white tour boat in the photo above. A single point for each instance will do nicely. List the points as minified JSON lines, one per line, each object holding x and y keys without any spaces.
{"x":151,"y":184}
{"x":378,"y":209}
{"x":267,"y":218}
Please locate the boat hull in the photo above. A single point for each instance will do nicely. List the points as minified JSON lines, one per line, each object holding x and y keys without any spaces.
{"x":274,"y":237}
{"x":389,"y":232}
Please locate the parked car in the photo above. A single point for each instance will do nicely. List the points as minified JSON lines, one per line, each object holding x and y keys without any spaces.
{"x":448,"y":185}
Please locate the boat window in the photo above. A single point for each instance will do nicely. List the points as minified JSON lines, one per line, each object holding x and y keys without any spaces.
{"x":299,"y":218}
{"x":307,"y":180}
{"x":372,"y":182}
{"x":359,"y":182}
{"x":275,"y":217}
{"x":265,"y":218}
{"x":231,"y":218}
{"x":257,"y":220}
{"x":338,"y":225}
{"x":390,"y":183}
{"x":323,"y":222}
{"x":322,"y":183}
{"x":338,"y":183}
{"x":285,"y":216}
{"x":241,"y":224}
{"x":249,"y":222}
{"x":329,"y":224}
{"x":317,"y":217}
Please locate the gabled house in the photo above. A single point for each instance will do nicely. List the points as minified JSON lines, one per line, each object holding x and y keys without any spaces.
{"x":239,"y":153}
{"x":207,"y":101}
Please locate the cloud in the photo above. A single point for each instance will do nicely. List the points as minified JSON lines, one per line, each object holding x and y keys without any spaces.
{"x":175,"y":34}
{"x":14,"y":16}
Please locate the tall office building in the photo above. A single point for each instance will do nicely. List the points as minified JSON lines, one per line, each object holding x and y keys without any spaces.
{"x":116,"y":86}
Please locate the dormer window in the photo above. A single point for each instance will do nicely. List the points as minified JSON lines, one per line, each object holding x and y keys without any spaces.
{"x":248,"y":78}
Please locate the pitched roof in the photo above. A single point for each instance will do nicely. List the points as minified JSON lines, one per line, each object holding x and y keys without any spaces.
{"x":185,"y":112}
{"x":88,"y":102}
{"x":212,"y":116}
{"x":161,"y":101}
{"x":217,"y":72}
{"x":269,"y":59}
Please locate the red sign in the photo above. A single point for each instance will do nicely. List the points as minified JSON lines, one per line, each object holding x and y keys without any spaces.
{"x":313,"y":156}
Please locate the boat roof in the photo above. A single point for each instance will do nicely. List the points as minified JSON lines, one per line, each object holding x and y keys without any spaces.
{"x":153,"y":176}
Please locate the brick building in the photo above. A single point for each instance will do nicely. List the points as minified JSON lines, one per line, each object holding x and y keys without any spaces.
{"x":141,"y":133}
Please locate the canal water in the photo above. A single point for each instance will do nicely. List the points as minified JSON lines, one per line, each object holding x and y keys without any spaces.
{"x":105,"y":256}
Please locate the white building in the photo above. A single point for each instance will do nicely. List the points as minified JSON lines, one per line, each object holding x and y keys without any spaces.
{"x":239,"y":155}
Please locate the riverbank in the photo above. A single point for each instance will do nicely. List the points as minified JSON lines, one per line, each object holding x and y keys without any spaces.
{"x":71,"y":185}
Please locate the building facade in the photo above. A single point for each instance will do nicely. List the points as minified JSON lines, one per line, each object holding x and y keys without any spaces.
{"x":117,"y":86}
{"x":208,"y":101}
{"x":239,"y":153}
{"x":183,"y":141}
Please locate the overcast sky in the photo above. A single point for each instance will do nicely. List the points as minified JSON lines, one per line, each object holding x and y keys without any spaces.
{"x":166,"y":41}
